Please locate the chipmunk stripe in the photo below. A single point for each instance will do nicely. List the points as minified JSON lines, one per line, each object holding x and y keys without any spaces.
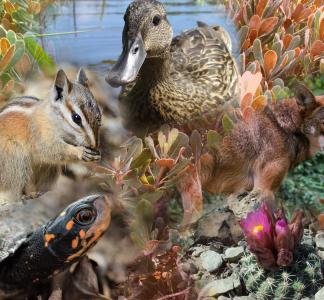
{"x":17,"y":108}
{"x":85,"y":123}
{"x":63,"y":116}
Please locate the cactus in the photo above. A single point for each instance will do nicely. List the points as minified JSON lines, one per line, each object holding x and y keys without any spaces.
{"x":301,"y":279}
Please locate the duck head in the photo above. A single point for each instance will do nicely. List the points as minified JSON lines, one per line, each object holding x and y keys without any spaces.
{"x":147,"y":33}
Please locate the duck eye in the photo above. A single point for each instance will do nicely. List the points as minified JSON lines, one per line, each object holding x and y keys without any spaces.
{"x":85,"y":216}
{"x":156,"y":20}
{"x":76,"y":119}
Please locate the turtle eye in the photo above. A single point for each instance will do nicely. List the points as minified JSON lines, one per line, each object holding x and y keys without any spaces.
{"x":76,"y":119}
{"x":85,"y":216}
{"x":156,"y":20}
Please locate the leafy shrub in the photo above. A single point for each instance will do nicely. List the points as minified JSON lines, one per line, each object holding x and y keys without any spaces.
{"x":18,"y":46}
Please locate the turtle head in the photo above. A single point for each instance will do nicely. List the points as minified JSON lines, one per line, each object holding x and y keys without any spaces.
{"x":147,"y":33}
{"x":77,"y":228}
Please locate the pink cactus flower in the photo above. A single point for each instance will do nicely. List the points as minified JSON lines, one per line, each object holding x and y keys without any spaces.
{"x":270,"y":237}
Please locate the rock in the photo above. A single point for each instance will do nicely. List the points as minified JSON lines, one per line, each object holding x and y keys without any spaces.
{"x":211,"y":260}
{"x":223,"y":298}
{"x":320,"y":294}
{"x":244,"y":298}
{"x":220,"y":286}
{"x":189,"y":268}
{"x":320,"y":254}
{"x":233,"y":254}
{"x":197,"y":251}
{"x":220,"y":225}
{"x":243,"y":203}
{"x":308,"y":240}
{"x":319,"y":240}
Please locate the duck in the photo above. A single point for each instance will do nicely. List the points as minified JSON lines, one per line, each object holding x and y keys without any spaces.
{"x":167,"y":79}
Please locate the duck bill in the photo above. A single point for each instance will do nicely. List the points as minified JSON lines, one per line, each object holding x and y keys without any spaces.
{"x":129,"y":63}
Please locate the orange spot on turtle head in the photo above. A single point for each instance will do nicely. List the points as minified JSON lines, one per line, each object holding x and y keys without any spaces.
{"x":82,"y":234}
{"x":75,"y":242}
{"x":48,"y":237}
{"x":69,"y":225}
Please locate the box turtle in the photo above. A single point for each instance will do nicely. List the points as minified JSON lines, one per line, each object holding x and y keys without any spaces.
{"x":33,"y":249}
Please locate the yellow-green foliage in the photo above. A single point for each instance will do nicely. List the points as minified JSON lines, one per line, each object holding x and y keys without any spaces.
{"x":18,"y":47}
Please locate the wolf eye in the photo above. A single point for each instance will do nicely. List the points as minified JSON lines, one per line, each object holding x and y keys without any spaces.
{"x":85,"y":216}
{"x":76,"y":119}
{"x":156,"y":20}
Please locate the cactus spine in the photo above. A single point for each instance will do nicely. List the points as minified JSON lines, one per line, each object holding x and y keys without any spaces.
{"x":302,"y":279}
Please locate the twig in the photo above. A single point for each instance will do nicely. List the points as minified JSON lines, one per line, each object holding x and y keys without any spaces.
{"x":175,"y":294}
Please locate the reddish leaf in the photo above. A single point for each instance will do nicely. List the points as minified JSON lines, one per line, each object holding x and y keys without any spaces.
{"x":8,"y":6}
{"x":246,"y":101}
{"x":270,"y":61}
{"x":247,"y":114}
{"x":303,"y":15}
{"x":259,"y":103}
{"x":268,"y":25}
{"x":286,"y":40}
{"x":297,"y":52}
{"x":253,"y":35}
{"x":321,"y":221}
{"x":246,"y":45}
{"x":298,"y":11}
{"x":255,"y":22}
{"x":7,"y":58}
{"x":317,"y":48}
{"x":165,"y":162}
{"x":287,"y":23}
{"x":321,"y":31}
{"x":260,"y":7}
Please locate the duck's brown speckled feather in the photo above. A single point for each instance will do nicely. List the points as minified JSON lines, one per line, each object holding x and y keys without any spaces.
{"x":198,"y":75}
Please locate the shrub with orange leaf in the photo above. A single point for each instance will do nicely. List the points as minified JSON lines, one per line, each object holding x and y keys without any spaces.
{"x":18,"y":48}
{"x":283,"y":40}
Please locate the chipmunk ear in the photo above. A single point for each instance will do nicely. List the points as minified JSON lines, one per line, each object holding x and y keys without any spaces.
{"x":305,"y":98}
{"x":62,"y":85}
{"x":82,"y":78}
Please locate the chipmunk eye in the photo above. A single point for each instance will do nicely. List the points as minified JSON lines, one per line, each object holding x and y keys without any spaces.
{"x":85,"y":216}
{"x":76,"y":119}
{"x":156,"y":20}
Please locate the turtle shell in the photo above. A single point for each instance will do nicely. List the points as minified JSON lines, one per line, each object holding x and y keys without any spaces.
{"x":17,"y":222}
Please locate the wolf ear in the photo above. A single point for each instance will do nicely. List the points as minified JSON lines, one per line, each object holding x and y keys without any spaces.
{"x":62,"y":85}
{"x":305,"y":98}
{"x":82,"y":78}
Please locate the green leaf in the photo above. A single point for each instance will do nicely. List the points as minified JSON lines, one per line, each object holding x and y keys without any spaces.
{"x":3,"y":32}
{"x":143,"y":160}
{"x":43,"y":60}
{"x":11,"y":36}
{"x":213,"y":139}
{"x":277,"y":47}
{"x":257,"y":51}
{"x":227,"y":124}
{"x":294,"y":42}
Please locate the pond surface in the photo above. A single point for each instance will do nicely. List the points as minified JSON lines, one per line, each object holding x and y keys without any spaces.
{"x":101,"y":23}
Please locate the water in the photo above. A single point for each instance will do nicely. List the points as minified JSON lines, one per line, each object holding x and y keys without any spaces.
{"x":99,"y":47}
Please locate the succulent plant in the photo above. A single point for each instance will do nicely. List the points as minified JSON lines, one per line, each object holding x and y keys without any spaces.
{"x":301,"y":279}
{"x":270,"y":237}
{"x":282,"y":40}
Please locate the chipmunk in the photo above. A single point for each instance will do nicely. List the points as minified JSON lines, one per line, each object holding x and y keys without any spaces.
{"x":259,"y":152}
{"x":38,"y":137}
